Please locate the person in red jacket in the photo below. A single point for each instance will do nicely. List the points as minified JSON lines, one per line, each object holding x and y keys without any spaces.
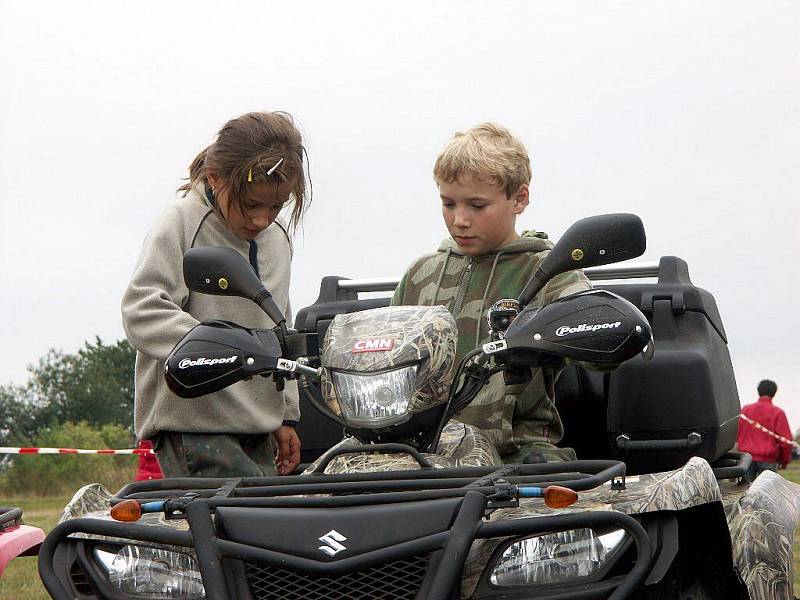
{"x":148,"y":464}
{"x":763,"y":443}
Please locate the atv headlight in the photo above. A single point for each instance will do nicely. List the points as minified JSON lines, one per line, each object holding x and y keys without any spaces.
{"x":555,"y":557}
{"x":377,"y":399}
{"x":152,"y":572}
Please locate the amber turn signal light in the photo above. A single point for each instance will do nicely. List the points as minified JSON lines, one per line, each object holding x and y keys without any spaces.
{"x":127,"y":511}
{"x":556,"y":496}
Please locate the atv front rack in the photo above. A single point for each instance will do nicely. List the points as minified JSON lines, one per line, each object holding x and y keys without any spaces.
{"x":260,"y":538}
{"x":420,"y":484}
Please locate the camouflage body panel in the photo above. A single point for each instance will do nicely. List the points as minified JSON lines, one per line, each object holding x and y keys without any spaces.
{"x":460,"y":446}
{"x":419,"y":334}
{"x":92,"y":501}
{"x":466,"y":446}
{"x":762,"y":520}
{"x":90,"y":498}
{"x":692,"y":485}
{"x":511,"y":416}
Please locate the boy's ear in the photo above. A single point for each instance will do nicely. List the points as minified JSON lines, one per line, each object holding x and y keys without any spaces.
{"x":521,"y":198}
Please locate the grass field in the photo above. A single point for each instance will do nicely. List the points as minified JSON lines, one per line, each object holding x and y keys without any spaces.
{"x":21,"y":581}
{"x":792,"y":473}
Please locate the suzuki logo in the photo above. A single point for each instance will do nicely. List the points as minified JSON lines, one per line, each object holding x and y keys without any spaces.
{"x":332,"y":541}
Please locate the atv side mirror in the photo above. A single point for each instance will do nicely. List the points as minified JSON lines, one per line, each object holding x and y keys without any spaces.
{"x":225,"y":272}
{"x":590,"y":242}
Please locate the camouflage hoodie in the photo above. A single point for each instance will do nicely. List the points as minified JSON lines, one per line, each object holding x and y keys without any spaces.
{"x":515,"y":416}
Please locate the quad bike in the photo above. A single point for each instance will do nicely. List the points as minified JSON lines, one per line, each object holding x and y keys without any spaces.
{"x":414,"y":504}
{"x":16,"y":538}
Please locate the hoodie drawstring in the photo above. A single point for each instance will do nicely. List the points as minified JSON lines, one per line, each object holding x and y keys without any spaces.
{"x":483,"y":301}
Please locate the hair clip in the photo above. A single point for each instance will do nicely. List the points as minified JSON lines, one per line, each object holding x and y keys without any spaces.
{"x":277,"y":164}
{"x":250,"y":175}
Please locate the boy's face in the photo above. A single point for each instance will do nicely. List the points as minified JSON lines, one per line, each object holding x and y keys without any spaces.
{"x":479,"y":215}
{"x":261,"y":204}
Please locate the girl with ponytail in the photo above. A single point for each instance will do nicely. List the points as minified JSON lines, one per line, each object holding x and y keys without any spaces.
{"x":237,"y":188}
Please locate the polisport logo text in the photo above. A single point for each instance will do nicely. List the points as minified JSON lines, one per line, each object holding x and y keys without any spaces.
{"x":373,"y":345}
{"x":206,"y":362}
{"x":566,"y":329}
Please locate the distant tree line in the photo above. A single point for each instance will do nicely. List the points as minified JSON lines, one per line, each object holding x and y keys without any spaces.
{"x":94,"y":385}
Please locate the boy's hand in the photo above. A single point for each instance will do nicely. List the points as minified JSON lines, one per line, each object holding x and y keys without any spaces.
{"x":288,"y":449}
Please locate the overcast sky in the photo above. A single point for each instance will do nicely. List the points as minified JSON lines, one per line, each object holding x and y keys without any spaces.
{"x":686,"y":113}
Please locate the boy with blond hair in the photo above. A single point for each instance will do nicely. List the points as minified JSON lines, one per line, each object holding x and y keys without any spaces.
{"x":484,"y":178}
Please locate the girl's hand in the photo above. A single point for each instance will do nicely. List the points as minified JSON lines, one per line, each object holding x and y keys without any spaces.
{"x":288,"y":449}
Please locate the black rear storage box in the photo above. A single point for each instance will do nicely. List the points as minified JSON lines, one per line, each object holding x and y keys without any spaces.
{"x":684,"y":401}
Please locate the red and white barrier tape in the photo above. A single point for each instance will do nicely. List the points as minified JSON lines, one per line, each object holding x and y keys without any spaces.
{"x":141,"y":451}
{"x":12,"y":450}
{"x":760,"y":427}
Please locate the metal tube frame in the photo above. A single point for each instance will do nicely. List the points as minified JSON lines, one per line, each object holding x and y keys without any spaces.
{"x":454,"y":543}
{"x":631,"y":271}
{"x":577,"y":475}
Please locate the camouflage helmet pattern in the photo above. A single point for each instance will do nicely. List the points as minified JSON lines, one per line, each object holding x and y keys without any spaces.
{"x":391,"y":337}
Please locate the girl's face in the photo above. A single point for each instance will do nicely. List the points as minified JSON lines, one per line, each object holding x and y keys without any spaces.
{"x":259,"y":207}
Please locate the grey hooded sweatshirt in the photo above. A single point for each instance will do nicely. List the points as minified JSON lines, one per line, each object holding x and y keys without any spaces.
{"x":158,"y":310}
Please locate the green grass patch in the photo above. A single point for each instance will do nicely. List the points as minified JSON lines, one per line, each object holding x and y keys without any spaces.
{"x":796,"y":561}
{"x":792,"y":472}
